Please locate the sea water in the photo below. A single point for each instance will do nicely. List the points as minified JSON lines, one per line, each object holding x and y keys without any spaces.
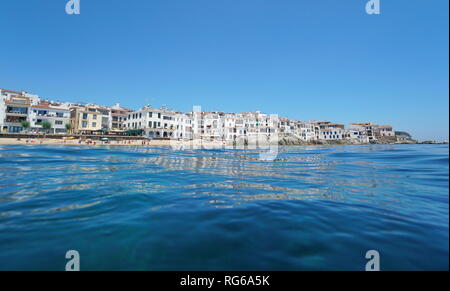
{"x":143,"y":208}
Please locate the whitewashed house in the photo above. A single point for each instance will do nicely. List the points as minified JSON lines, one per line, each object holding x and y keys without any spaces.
{"x":385,"y":131}
{"x":366,"y":131}
{"x":57,"y":114}
{"x":14,"y":109}
{"x":183,"y":126}
{"x":154,"y":123}
{"x":229,"y":126}
{"x":331,"y":133}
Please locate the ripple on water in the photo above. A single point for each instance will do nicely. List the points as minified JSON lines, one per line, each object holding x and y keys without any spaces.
{"x":313,"y":208}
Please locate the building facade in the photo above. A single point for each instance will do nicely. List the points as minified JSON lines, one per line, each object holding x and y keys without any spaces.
{"x":57,"y":114}
{"x":89,"y":119}
{"x":159,"y":123}
{"x":366,"y":131}
{"x":118,"y":118}
{"x":385,"y":131}
{"x":14,"y":109}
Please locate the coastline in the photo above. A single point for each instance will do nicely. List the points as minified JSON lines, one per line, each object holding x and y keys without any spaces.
{"x":195,"y":143}
{"x":124,"y":142}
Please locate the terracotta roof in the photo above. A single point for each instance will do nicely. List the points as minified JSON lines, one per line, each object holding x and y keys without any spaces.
{"x":11,"y":100}
{"x":330,"y":129}
{"x":41,"y":106}
{"x":11,"y":91}
{"x":362,"y":123}
{"x":48,"y":105}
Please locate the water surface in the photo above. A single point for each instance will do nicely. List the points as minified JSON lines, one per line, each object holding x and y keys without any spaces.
{"x":135,"y":208}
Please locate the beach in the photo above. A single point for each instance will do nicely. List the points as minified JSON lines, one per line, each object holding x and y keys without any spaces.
{"x":197,"y":143}
{"x":125,"y":142}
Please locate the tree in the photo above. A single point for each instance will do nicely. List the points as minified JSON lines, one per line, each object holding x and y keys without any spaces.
{"x":68,"y":127}
{"x":46,"y":126}
{"x":25,"y":124}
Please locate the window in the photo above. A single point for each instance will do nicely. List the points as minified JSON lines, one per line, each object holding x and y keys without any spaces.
{"x":94,"y":117}
{"x":85,"y":116}
{"x":150,"y":114}
{"x":84,"y":124}
{"x":94,"y":124}
{"x":58,"y":122}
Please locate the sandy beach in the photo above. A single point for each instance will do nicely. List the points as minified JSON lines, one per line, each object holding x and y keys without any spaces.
{"x":51,"y":141}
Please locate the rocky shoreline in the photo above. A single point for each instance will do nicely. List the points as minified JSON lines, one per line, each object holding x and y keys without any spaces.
{"x":292,"y":141}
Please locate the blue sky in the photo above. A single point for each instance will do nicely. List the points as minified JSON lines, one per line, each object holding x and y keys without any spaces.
{"x":315,"y":59}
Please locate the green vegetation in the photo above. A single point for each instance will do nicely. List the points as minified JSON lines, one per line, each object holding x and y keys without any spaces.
{"x":46,"y":126}
{"x":402,"y":133}
{"x":25,"y":124}
{"x":134,"y":132}
{"x":68,"y":127}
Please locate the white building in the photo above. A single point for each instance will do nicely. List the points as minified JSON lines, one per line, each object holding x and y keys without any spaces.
{"x":14,"y":109}
{"x":352,"y":134}
{"x":183,"y":126}
{"x":212,"y":126}
{"x":160,"y":123}
{"x":304,"y":130}
{"x":286,"y":126}
{"x":366,"y":131}
{"x":331,"y":133}
{"x":230,"y":127}
{"x":229,"y":131}
{"x":385,"y":131}
{"x":117,"y":118}
{"x":57,"y":114}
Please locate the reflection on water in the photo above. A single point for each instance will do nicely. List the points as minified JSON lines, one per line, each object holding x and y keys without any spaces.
{"x":314,"y":207}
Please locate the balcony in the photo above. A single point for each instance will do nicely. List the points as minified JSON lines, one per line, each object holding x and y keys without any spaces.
{"x":15,"y":121}
{"x":16,"y":113}
{"x":52,"y":115}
